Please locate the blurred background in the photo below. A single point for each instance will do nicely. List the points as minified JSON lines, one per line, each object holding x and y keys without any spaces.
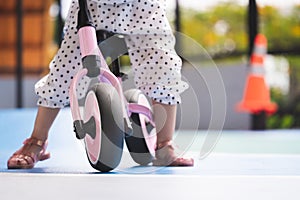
{"x":31,"y":32}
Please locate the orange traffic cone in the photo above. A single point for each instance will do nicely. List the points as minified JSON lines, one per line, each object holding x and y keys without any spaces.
{"x":257,"y":95}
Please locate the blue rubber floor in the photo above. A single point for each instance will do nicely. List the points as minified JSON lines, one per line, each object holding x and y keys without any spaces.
{"x":243,"y":165}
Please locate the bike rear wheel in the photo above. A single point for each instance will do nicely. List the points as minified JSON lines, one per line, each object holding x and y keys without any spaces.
{"x":142,"y":142}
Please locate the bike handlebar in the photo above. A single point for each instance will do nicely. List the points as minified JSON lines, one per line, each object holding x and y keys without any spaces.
{"x":84,"y":16}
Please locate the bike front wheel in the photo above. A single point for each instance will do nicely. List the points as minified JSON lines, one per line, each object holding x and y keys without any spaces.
{"x":104,"y":147}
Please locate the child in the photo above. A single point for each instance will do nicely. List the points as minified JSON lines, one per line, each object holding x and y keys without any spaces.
{"x":156,"y":66}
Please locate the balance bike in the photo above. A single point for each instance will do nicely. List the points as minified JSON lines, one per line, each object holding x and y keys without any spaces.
{"x":108,"y":116}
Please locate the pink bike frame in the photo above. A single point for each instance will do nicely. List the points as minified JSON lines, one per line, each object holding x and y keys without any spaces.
{"x":89,"y":46}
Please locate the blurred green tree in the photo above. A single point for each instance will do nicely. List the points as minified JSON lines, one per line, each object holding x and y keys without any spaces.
{"x":222,"y":31}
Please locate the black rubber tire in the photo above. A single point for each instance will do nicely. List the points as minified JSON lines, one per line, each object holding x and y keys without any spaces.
{"x":136,"y":143}
{"x":112,"y":128}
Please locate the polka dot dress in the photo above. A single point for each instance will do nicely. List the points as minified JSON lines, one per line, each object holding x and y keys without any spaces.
{"x":150,"y":43}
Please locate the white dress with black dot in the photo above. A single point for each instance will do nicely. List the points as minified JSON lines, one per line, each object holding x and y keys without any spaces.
{"x":150,"y":43}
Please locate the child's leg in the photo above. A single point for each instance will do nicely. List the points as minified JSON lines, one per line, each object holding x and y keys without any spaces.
{"x":165,"y":119}
{"x":44,"y":119}
{"x":34,"y":148}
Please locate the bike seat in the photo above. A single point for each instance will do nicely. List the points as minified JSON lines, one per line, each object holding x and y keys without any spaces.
{"x":111,"y":44}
